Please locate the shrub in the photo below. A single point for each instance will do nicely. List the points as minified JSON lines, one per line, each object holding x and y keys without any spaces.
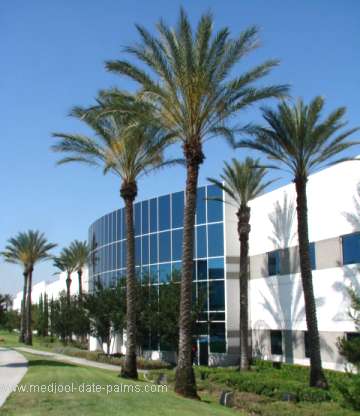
{"x":350,"y":390}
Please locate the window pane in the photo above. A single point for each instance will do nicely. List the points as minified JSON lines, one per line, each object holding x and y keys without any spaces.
{"x":145,"y":275}
{"x":216,"y":240}
{"x":164,"y":246}
{"x":274,"y":263}
{"x":217,"y":337}
{"x":214,"y":208}
{"x":153,"y":248}
{"x":154,"y":272}
{"x":312,"y":256}
{"x":177,"y":210}
{"x":137,"y":219}
{"x":200,"y":206}
{"x":203,"y":295}
{"x":110,"y":228}
{"x":106,"y":231}
{"x":202,"y":269}
{"x":118,"y":255}
{"x":216,"y":268}
{"x":276,"y":342}
{"x":351,"y":248}
{"x":201,"y":241}
{"x":116,"y":229}
{"x":123,"y":245}
{"x":165,"y":272}
{"x":164,"y":212}
{"x":153,"y":215}
{"x":145,"y":249}
{"x":123,"y":224}
{"x":145,"y":217}
{"x":176,"y":271}
{"x":138,"y":251}
{"x":177,"y":239}
{"x":216,"y":295}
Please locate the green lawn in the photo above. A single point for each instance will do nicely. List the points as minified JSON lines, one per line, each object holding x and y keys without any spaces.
{"x":44,"y":372}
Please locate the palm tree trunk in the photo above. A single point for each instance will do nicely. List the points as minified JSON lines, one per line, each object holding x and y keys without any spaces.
{"x":243,"y":231}
{"x":80,"y":272}
{"x":129,"y":369}
{"x":68,"y":285}
{"x":23,"y":310}
{"x":317,"y":376}
{"x":185,"y":383}
{"x":28,"y":334}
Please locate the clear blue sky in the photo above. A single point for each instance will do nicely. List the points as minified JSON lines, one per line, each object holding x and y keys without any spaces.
{"x":52,"y":55}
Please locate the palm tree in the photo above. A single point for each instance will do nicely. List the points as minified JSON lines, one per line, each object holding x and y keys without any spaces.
{"x":128,"y":147}
{"x":300,"y":142}
{"x":243,"y":182}
{"x":27,"y":249}
{"x":194,"y":98}
{"x":81,"y":252}
{"x":66,"y":262}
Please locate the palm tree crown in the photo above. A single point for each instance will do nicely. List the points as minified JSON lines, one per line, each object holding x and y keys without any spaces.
{"x":65,"y":261}
{"x":27,"y":249}
{"x":297,"y":138}
{"x":124,"y":144}
{"x":242,"y":181}
{"x":191,"y":90}
{"x":81,"y":252}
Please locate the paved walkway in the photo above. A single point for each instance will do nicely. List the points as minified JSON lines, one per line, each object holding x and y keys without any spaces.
{"x":13,"y":367}
{"x":73,"y":360}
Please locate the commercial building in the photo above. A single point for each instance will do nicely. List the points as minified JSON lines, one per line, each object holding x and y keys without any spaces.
{"x":277,"y":317}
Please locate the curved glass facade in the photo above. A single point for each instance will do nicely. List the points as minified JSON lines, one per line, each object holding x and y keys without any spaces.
{"x":158,"y":224}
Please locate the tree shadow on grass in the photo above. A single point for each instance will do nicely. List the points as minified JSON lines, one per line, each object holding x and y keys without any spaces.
{"x":49,"y":363}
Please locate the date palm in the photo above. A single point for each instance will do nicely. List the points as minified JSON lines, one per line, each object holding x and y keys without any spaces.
{"x":67,"y":263}
{"x":242,"y":182}
{"x":81,"y":252}
{"x":194,"y":97}
{"x":27,"y":249}
{"x":128,"y":147}
{"x":301,"y":142}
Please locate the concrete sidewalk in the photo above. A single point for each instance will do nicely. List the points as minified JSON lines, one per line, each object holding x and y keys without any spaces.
{"x":72,"y":360}
{"x":13,"y":367}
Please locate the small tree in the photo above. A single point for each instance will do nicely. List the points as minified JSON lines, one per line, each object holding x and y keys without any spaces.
{"x":106,"y":310}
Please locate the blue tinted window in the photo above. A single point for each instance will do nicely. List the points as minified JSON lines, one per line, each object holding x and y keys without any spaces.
{"x":200,"y":206}
{"x":123,"y":224}
{"x":312,"y":256}
{"x":201,"y":241}
{"x":217,"y":337}
{"x":274,"y":263}
{"x":138,"y":273}
{"x":216,"y":268}
{"x":123,"y":245}
{"x":214,"y":208}
{"x":118,"y":226}
{"x":177,"y":239}
{"x":201,"y":269}
{"x":164,"y":212}
{"x":351,"y":248}
{"x":153,"y":248}
{"x":177,"y":210}
{"x":118,"y":256}
{"x":113,"y":266}
{"x":137,"y":219}
{"x":116,"y":230}
{"x":145,"y":249}
{"x":153,"y":215}
{"x":216,"y":240}
{"x":164,"y":246}
{"x":111,"y":238}
{"x":145,"y":217}
{"x":106,"y":229}
{"x":145,"y":274}
{"x":176,"y":271}
{"x":154,"y":272}
{"x":164,"y":272}
{"x":138,"y":251}
{"x":216,"y":295}
{"x":203,"y":295}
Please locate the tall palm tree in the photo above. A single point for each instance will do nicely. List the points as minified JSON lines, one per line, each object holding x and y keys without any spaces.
{"x":16,"y":253}
{"x":66,"y":262}
{"x":27,"y":249}
{"x":194,"y":97}
{"x":129,"y":148}
{"x":297,"y":138}
{"x":243,"y":181}
{"x":81,"y":252}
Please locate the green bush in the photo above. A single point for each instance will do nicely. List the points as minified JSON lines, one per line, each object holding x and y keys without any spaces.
{"x":350,"y":390}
